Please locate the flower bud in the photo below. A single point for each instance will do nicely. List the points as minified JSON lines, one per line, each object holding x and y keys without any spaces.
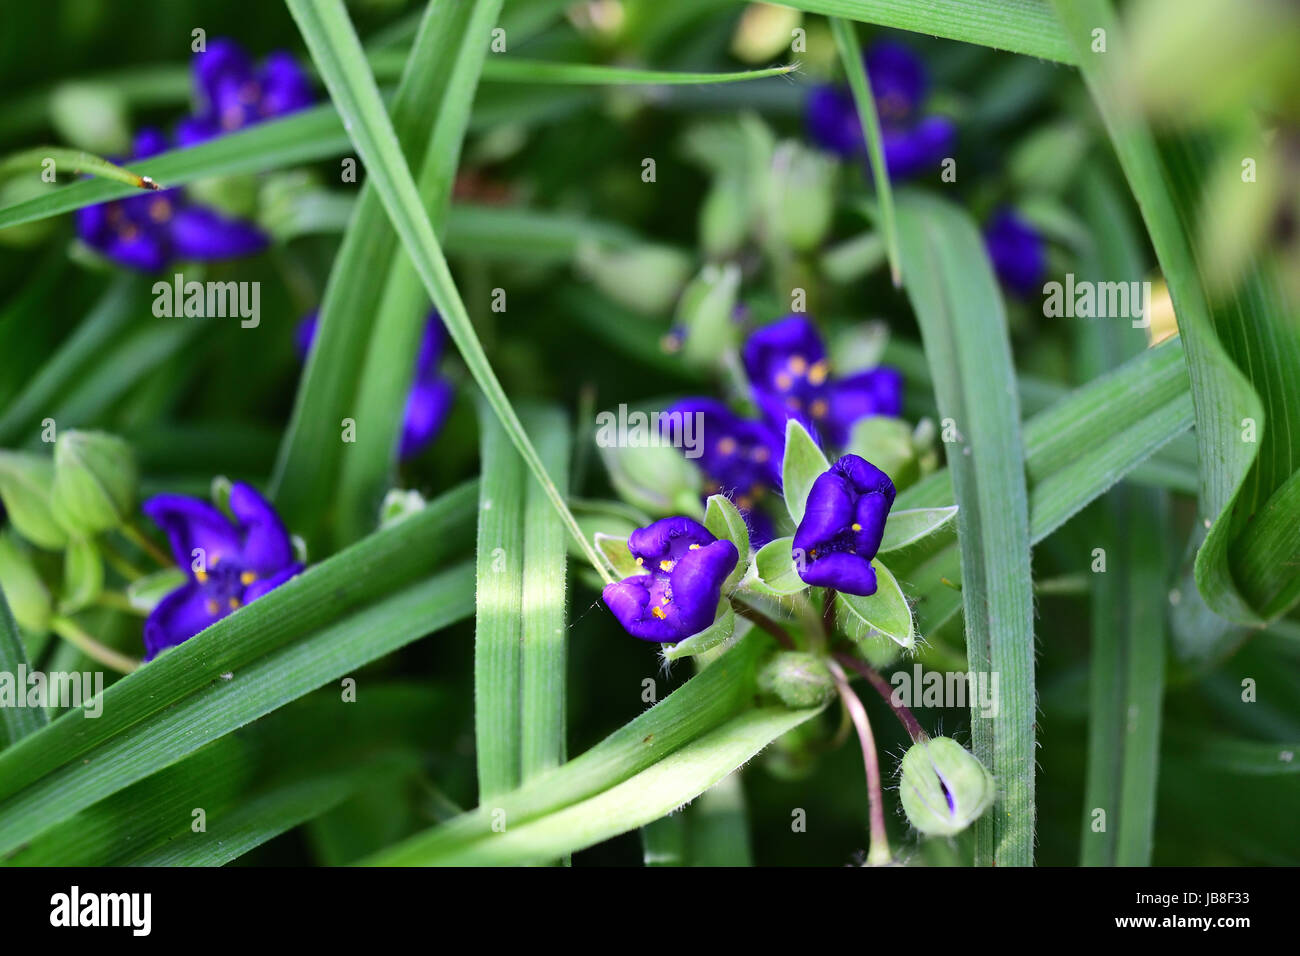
{"x":91,"y":116}
{"x":800,"y":199}
{"x":94,"y":481}
{"x":797,"y":679}
{"x":655,"y":478}
{"x":25,"y":482}
{"x":645,"y":278}
{"x":764,"y":32}
{"x":886,"y":442}
{"x":705,"y":310}
{"x":724,"y":217}
{"x":398,"y":505}
{"x":26,"y":593}
{"x":944,"y":788}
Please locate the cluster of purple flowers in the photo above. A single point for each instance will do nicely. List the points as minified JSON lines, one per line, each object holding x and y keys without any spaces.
{"x":147,"y":232}
{"x":789,"y":377}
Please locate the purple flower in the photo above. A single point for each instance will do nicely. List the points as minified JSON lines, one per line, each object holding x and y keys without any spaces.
{"x":679,"y":596}
{"x":233,"y":92}
{"x":149,"y":230}
{"x":790,"y":378}
{"x":912,"y":143}
{"x":741,"y":458}
{"x":842,"y":525}
{"x":431,"y":396}
{"x":1018,"y":252}
{"x":237,"y":561}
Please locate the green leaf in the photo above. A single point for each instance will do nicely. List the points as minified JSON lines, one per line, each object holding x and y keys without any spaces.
{"x":775,"y":569}
{"x":907,"y":527}
{"x":337,"y":52}
{"x":83,"y":574}
{"x":616,"y":553}
{"x":1021,"y":26}
{"x":510,"y":69}
{"x":651,"y":794}
{"x":145,"y":593}
{"x":724,"y":521}
{"x":963,"y":326}
{"x":846,"y":42}
{"x":715,"y":635}
{"x":499,"y":612}
{"x":704,"y":702}
{"x":883,"y":614}
{"x":15,"y":722}
{"x":802,"y":465}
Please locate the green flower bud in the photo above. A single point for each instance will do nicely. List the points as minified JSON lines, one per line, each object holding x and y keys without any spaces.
{"x":764,"y":31}
{"x":725,"y":217}
{"x":656,"y":478}
{"x":800,"y":199}
{"x":887,"y":443}
{"x":797,"y":679}
{"x":644,"y":278}
{"x":94,"y":481}
{"x":91,"y":116}
{"x":944,"y":788}
{"x":704,"y":312}
{"x":26,"y":593}
{"x":398,"y":505}
{"x":25,"y":482}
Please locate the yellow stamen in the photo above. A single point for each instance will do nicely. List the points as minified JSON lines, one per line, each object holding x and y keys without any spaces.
{"x":817,"y":374}
{"x":212,"y":606}
{"x":214,"y":560}
{"x":819,"y":408}
{"x":160,"y":210}
{"x":234,"y":603}
{"x":727,"y":446}
{"x":797,"y":364}
{"x":247,"y":578}
{"x":761,"y":454}
{"x":200,"y":576}
{"x":783,"y":381}
{"x":640,"y":562}
{"x":794,"y":403}
{"x":658,"y":612}
{"x":667,"y":564}
{"x":856,"y":526}
{"x":694,"y":547}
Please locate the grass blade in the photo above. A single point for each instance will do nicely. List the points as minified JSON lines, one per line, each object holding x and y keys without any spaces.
{"x":846,"y":41}
{"x":15,"y":722}
{"x":337,"y":52}
{"x":963,"y":326}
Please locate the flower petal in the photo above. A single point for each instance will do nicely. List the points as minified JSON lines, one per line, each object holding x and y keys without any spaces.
{"x":875,"y":392}
{"x":629,"y":601}
{"x":178,"y":617}
{"x":697,"y":584}
{"x":827,"y":513}
{"x":843,"y":571}
{"x":266,"y":545}
{"x":667,"y":539}
{"x":285,"y":85}
{"x":264,"y":585}
{"x":426,"y":410}
{"x":898,"y":79}
{"x":190,"y":523}
{"x":914,"y":149}
{"x":200,"y":233}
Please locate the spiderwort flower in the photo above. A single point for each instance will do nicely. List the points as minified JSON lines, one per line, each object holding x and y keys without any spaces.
{"x":899,"y":83}
{"x":431,"y":396}
{"x":234,"y":93}
{"x":740,"y":458}
{"x":149,"y":230}
{"x":843,"y":523}
{"x":678,"y":596}
{"x":1018,"y":252}
{"x":229,"y":563}
{"x":790,"y":378}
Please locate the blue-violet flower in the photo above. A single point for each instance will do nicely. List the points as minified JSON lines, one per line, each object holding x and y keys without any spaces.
{"x":843,"y":522}
{"x":679,"y":595}
{"x":233,"y":92}
{"x":1018,"y":252}
{"x":790,"y":377}
{"x":229,"y":563}
{"x":912,"y":143}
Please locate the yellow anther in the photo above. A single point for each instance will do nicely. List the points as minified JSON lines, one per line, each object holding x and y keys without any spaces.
{"x":856,"y":526}
{"x":783,"y":381}
{"x":797,"y":364}
{"x":817,"y":374}
{"x":794,"y":403}
{"x":819,"y":408}
{"x":761,"y":454}
{"x":214,"y":560}
{"x":658,"y":612}
{"x":200,"y":576}
{"x":247,"y":578}
{"x":667,"y":564}
{"x":234,"y":603}
{"x":212,"y":606}
{"x":727,"y":446}
{"x":694,"y":547}
{"x":640,"y":562}
{"x":160,"y":210}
